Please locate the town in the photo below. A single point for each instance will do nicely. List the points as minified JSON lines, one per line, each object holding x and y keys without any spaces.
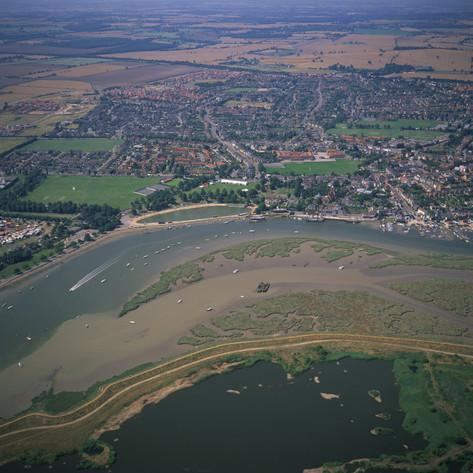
{"x":390,"y":149}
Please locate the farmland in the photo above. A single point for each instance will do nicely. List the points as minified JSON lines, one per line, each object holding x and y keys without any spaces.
{"x":339,"y":167}
{"x":78,"y":144}
{"x":7,"y":144}
{"x":117,"y":191}
{"x":417,"y":129}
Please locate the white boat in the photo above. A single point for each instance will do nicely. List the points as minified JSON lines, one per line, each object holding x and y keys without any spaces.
{"x":209,"y":309}
{"x":102,"y":281}
{"x":132,"y":322}
{"x":179,"y":301}
{"x":20,"y":364}
{"x":146,"y":264}
{"x":251,"y":231}
{"x":86,"y":325}
{"x":179,"y":242}
{"x":236,"y":271}
{"x":296,"y":231}
{"x":9,"y":307}
{"x":156,"y":252}
{"x":197,"y":247}
{"x":128,"y":265}
{"x":146,"y":256}
{"x":29,"y":339}
{"x":340,"y":268}
{"x":132,"y":269}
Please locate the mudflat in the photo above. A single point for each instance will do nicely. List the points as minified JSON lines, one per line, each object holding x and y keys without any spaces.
{"x":95,"y":347}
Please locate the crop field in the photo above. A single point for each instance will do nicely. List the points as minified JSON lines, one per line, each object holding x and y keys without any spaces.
{"x":138,"y":74}
{"x":339,"y":166}
{"x":74,"y":61}
{"x":74,"y":144}
{"x":366,"y":48}
{"x":421,"y":129}
{"x":6,"y":144}
{"x":44,"y":88}
{"x":91,"y":69}
{"x":117,"y":191}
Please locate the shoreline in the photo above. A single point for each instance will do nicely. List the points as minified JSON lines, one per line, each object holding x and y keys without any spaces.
{"x":130,"y":227}
{"x":138,"y":220}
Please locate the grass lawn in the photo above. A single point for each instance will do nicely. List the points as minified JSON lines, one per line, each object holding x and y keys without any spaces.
{"x":421,"y":130}
{"x":73,"y":144}
{"x":173,"y":183}
{"x":7,"y":144}
{"x":117,"y":191}
{"x":235,"y":187}
{"x":340,"y":166}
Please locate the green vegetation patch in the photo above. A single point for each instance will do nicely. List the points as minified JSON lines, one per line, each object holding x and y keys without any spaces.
{"x":54,"y":403}
{"x":449,"y":295}
{"x":117,"y":191}
{"x":6,"y":144}
{"x":323,"y":311}
{"x":186,"y":273}
{"x":41,"y":256}
{"x":424,"y":399}
{"x":383,"y":31}
{"x":74,"y":61}
{"x":338,"y":167}
{"x":419,"y":129}
{"x":73,"y":144}
{"x":334,"y":250}
{"x":433,"y":260}
{"x":264,"y":248}
{"x":455,"y":388}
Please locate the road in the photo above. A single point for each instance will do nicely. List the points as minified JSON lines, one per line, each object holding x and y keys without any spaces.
{"x":235,"y":151}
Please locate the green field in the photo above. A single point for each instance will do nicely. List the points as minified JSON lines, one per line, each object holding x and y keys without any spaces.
{"x":340,"y":166}
{"x":228,"y":187}
{"x":422,"y":129}
{"x":383,"y":31}
{"x":173,"y":183}
{"x":117,"y":191}
{"x":73,"y":144}
{"x":6,"y":144}
{"x":74,"y":61}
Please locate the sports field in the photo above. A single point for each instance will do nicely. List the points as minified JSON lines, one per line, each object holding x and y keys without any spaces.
{"x":74,"y":144}
{"x":339,"y":167}
{"x":117,"y":191}
{"x":419,"y":129}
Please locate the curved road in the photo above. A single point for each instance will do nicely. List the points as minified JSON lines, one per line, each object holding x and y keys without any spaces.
{"x":213,"y":354}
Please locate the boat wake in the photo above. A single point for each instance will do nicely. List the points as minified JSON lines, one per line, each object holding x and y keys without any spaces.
{"x":88,"y":277}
